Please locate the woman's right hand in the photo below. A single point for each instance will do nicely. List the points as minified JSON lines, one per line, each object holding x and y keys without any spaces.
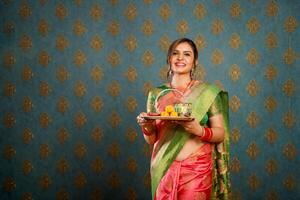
{"x":144,"y":122}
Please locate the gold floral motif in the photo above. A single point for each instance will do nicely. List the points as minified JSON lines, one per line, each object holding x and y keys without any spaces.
{"x":45,"y":120}
{"x":61,"y":11}
{"x":97,"y":134}
{"x":200,"y":11}
{"x":131,"y":134}
{"x":27,"y":104}
{"x":163,"y":73}
{"x":114,"y":180}
{"x":272,"y":8}
{"x":97,"y":104}
{"x":25,"y":10}
{"x":270,"y":104}
{"x":78,"y":2}
{"x":62,"y":74}
{"x":80,"y":150}
{"x":45,"y":89}
{"x":80,"y":119}
{"x":235,"y":10}
{"x":146,"y":87}
{"x":114,"y":58}
{"x":62,"y":194}
{"x":131,"y":74}
{"x":43,"y":27}
{"x":114,"y":88}
{"x":114,"y":28}
{"x":271,"y":136}
{"x":62,"y":135}
{"x":182,"y":27}
{"x":96,"y":43}
{"x":9,"y":28}
{"x":96,"y":73}
{"x":27,"y":196}
{"x":45,"y":181}
{"x":234,"y":103}
{"x":79,"y":28}
{"x":253,"y":119}
{"x":114,"y":149}
{"x":131,"y":104}
{"x":200,"y":42}
{"x":235,"y":165}
{"x":27,"y":136}
{"x":61,"y":43}
{"x":253,"y":57}
{"x":182,"y":2}
{"x":79,"y":89}
{"x":131,"y":194}
{"x":289,"y":88}
{"x":290,"y":182}
{"x":164,"y":43}
{"x":217,"y":26}
{"x":9,"y":184}
{"x":200,"y":72}
{"x":62,"y":166}
{"x":234,"y":72}
{"x":147,"y":150}
{"x":147,"y":180}
{"x":253,"y":182}
{"x":44,"y":58}
{"x":9,"y":89}
{"x":9,"y":120}
{"x":113,"y":2}
{"x":9,"y":59}
{"x":290,"y":24}
{"x":114,"y":119}
{"x":43,"y":2}
{"x":147,"y":28}
{"x":272,"y":195}
{"x":164,"y":12}
{"x":148,"y":1}
{"x":27,"y":73}
{"x":130,"y":43}
{"x":62,"y":105}
{"x":290,"y":56}
{"x":253,"y":150}
{"x":25,"y":43}
{"x":253,"y":25}
{"x":130,"y":12}
{"x":27,"y":167}
{"x":148,"y":58}
{"x":80,"y":180}
{"x":271,"y":72}
{"x":271,"y":40}
{"x":96,"y":194}
{"x":253,"y":88}
{"x":235,"y":41}
{"x":236,"y":195}
{"x":97,"y":165}
{"x":45,"y":151}
{"x":289,"y":119}
{"x":9,"y":152}
{"x":217,"y":57}
{"x":271,"y":166}
{"x":235,"y":135}
{"x":96,"y":12}
{"x":131,"y":165}
{"x":79,"y":58}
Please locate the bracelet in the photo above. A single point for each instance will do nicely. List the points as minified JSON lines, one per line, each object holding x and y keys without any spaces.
{"x":207,"y":134}
{"x":145,"y":132}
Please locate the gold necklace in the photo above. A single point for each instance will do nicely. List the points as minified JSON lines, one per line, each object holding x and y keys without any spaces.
{"x":185,"y":89}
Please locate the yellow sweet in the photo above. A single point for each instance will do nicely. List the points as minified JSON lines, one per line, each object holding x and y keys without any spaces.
{"x":164,"y":113}
{"x":174,"y":114}
{"x":169,"y":108}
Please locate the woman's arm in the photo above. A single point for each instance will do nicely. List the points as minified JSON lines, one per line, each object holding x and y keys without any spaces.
{"x":148,"y":128}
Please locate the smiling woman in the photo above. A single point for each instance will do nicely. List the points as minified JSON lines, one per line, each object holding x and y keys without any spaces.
{"x":190,"y":157}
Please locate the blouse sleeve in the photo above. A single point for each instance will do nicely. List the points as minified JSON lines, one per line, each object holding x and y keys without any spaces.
{"x":151,"y":102}
{"x":216,"y":107}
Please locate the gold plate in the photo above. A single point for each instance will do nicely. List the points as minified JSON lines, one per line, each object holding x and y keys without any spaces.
{"x":170,"y":118}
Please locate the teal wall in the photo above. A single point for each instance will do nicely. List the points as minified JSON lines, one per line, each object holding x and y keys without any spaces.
{"x":75,"y":74}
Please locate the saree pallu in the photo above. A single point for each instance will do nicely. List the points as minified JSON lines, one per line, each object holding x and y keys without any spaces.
{"x":173,"y":139}
{"x":189,"y":179}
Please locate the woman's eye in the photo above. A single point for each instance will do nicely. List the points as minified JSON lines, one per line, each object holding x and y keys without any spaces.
{"x":174,"y":53}
{"x":187,"y":54}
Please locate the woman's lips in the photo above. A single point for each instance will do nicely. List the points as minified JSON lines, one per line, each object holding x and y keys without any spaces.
{"x":180,"y":64}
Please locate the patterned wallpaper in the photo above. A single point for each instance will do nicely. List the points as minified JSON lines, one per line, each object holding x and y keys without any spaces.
{"x":74,"y":75}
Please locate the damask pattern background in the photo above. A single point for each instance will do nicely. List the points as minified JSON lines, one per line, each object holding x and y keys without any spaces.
{"x":75,"y":74}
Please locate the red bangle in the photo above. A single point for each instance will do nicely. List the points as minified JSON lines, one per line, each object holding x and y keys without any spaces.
{"x":145,"y":132}
{"x":207,"y":134}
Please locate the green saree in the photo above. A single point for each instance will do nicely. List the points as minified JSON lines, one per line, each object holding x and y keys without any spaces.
{"x":202,"y":97}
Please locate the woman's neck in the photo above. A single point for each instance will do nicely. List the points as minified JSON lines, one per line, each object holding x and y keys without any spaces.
{"x":180,"y":81}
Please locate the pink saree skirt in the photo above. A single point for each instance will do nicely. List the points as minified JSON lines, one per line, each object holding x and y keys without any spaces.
{"x":188,"y":179}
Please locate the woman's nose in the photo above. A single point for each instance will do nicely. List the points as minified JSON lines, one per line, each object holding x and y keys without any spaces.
{"x":179,"y":57}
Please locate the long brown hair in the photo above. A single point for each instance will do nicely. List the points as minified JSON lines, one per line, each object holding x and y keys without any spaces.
{"x":172,"y":48}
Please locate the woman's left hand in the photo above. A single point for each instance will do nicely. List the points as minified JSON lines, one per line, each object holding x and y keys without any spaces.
{"x":191,"y":126}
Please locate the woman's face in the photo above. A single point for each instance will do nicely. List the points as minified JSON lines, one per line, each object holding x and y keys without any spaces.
{"x":182,"y":59}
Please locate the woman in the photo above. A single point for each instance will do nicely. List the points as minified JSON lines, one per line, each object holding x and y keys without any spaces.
{"x":189,"y":158}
